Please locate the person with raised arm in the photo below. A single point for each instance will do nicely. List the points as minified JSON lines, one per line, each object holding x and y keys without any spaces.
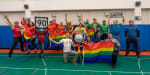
{"x":41,"y":38}
{"x":115,"y":27}
{"x":69,"y":24}
{"x":29,"y":34}
{"x":88,"y":25}
{"x":16,"y":34}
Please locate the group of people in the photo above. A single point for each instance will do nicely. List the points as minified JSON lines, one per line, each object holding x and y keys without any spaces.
{"x":131,"y":34}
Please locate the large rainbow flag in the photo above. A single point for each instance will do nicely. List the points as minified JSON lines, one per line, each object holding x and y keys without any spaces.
{"x":98,"y":52}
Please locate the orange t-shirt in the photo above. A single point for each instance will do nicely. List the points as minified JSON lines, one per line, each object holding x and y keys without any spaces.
{"x":61,"y":28}
{"x":51,"y":28}
{"x":69,"y":27}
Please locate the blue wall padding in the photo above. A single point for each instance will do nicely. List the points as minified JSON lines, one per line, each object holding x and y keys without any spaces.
{"x":6,"y":38}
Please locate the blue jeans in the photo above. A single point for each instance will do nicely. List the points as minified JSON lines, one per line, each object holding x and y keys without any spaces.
{"x":42,"y":47}
{"x":118,"y":38}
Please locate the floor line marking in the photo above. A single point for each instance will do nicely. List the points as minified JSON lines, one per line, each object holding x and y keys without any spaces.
{"x":45,"y":65}
{"x":69,"y":70}
{"x":139,"y":60}
{"x":44,"y":62}
{"x":45,"y":71}
{"x":109,"y":73}
{"x":72,"y":56}
{"x":91,"y":69}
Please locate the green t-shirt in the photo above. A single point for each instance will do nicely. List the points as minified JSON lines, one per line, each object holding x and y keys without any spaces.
{"x":104,"y":29}
{"x":88,"y":25}
{"x":95,"y":26}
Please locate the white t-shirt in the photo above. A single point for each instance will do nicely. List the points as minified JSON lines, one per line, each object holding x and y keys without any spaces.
{"x":67,"y":45}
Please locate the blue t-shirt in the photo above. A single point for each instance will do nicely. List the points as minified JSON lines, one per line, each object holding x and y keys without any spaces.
{"x":115,"y":29}
{"x":115,"y":45}
{"x":132,"y":31}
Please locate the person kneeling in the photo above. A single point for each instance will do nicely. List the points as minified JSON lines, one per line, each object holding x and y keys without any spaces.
{"x":67,"y":48}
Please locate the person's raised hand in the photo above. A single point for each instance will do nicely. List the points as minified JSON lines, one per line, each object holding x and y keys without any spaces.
{"x":5,"y":14}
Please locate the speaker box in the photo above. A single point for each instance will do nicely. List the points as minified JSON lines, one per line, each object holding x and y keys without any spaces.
{"x":138,"y":3}
{"x":26,"y":6}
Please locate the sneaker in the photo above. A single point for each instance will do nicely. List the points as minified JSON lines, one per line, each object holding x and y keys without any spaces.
{"x":75,"y":63}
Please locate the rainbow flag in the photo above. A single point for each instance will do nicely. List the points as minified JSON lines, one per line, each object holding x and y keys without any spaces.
{"x":57,"y":36}
{"x":27,"y":33}
{"x":90,"y":32}
{"x":98,"y":52}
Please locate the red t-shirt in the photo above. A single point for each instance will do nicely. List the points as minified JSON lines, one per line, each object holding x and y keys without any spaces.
{"x":17,"y":31}
{"x":41,"y":37}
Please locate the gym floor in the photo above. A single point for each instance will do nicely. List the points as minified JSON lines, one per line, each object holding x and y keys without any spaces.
{"x":52,"y":64}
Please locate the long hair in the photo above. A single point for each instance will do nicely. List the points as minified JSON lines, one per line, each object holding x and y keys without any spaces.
{"x":32,"y":23}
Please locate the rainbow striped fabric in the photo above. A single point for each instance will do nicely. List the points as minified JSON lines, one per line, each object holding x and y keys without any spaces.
{"x":98,"y":52}
{"x":57,"y":36}
{"x":90,"y":32}
{"x":27,"y":33}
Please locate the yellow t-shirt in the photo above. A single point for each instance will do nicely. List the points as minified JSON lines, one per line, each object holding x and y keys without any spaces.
{"x":80,"y":30}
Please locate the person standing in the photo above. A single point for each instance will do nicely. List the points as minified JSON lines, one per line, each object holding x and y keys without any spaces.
{"x":96,"y":27}
{"x":61,"y":27}
{"x":69,"y":24}
{"x":132,"y":34}
{"x":51,"y":29}
{"x":104,"y":30}
{"x":16,"y":34}
{"x":116,"y":49}
{"x":55,"y":23}
{"x":115,"y":28}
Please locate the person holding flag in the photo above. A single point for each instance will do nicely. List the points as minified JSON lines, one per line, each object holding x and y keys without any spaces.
{"x":67,"y":48}
{"x":51,"y":29}
{"x":29,"y":35}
